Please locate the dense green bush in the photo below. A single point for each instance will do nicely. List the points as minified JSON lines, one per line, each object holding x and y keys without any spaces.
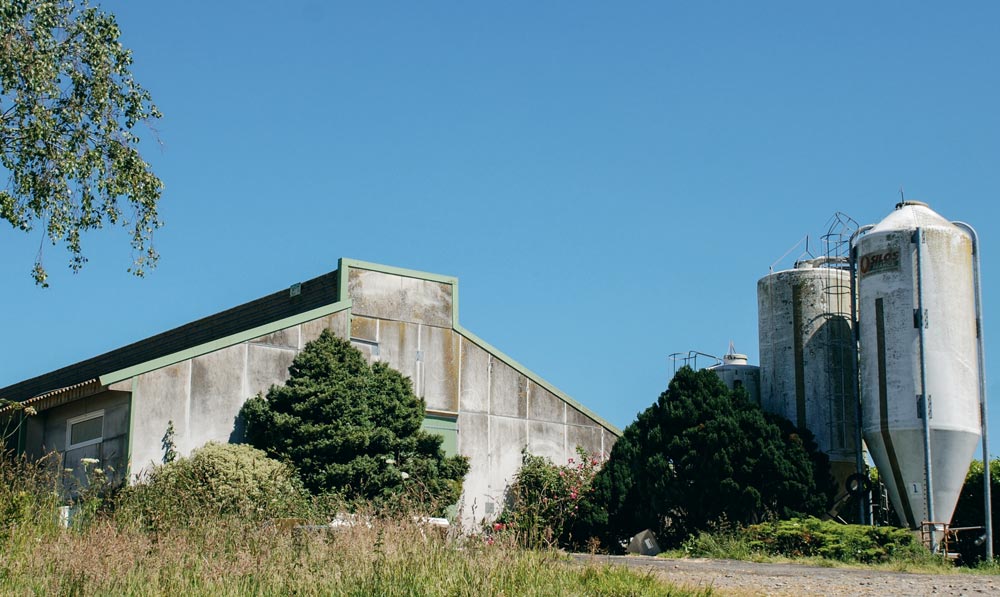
{"x":702,"y":453}
{"x":542,"y":507}
{"x":354,"y":429}
{"x":811,"y":537}
{"x":217,"y":479}
{"x":970,"y":512}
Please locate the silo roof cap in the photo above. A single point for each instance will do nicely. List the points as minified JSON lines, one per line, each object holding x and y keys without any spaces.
{"x":910,"y":215}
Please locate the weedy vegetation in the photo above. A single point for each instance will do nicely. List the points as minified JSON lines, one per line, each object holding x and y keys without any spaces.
{"x":187,"y":531}
{"x":816,"y":542}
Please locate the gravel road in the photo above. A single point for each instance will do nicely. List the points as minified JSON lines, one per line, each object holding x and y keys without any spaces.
{"x":748,"y":578}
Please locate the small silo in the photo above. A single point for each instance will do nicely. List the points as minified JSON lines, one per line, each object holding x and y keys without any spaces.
{"x":918,"y":337}
{"x":808,"y":362}
{"x":736,"y":372}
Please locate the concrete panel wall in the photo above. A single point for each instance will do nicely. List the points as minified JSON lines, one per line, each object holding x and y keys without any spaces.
{"x":500,"y":412}
{"x":219,"y":389}
{"x":477,"y":498}
{"x":159,"y":397}
{"x":548,"y":440}
{"x":388,"y":296}
{"x":440,"y":355}
{"x":203,"y":396}
{"x":338,"y":323}
{"x":474,"y":392}
{"x":508,"y":391}
{"x":543,"y":405}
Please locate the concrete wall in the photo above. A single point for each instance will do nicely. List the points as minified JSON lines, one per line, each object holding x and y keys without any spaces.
{"x":203,"y":396}
{"x":408,"y":324}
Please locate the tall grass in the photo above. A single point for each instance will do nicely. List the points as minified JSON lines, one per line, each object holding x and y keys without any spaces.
{"x":214,"y":553}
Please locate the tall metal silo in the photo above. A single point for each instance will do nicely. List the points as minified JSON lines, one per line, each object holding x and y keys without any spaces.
{"x":736,"y":372}
{"x":808,"y":361}
{"x":919,"y":336}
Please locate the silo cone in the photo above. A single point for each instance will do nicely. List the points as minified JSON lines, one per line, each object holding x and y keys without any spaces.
{"x":918,"y":335}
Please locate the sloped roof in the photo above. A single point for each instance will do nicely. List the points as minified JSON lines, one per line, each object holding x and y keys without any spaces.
{"x":314,"y":293}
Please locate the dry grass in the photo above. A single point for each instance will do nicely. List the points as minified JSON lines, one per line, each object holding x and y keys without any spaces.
{"x":228,"y":557}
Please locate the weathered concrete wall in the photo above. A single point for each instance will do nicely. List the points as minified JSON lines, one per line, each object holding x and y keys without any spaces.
{"x":502,"y":412}
{"x":407,"y":323}
{"x":203,"y":396}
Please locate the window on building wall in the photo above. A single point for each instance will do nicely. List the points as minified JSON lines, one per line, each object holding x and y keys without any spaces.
{"x":85,"y":430}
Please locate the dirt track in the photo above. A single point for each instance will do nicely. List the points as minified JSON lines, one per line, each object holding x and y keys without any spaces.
{"x":748,"y":578}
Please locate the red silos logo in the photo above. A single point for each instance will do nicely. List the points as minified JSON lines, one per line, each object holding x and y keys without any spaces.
{"x":874,"y":263}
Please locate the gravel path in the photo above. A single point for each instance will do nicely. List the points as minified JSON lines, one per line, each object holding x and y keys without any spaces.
{"x":748,"y":578}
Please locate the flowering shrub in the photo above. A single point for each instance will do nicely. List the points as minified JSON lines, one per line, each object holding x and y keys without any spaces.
{"x":543,"y":504}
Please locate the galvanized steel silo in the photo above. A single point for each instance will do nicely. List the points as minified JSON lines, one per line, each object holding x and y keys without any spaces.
{"x":807,"y":355}
{"x":918,"y":337}
{"x":736,"y":372}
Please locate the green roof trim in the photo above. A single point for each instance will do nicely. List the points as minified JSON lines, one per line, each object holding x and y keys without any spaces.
{"x":342,"y":288}
{"x":224,"y":342}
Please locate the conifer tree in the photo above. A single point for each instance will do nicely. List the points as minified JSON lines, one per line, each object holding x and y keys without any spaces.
{"x":353,"y":429}
{"x":702,"y":454}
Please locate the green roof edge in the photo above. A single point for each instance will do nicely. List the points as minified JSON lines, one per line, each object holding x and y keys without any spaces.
{"x":342,"y":288}
{"x":224,"y":342}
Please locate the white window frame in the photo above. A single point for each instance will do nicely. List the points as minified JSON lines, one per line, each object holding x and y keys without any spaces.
{"x":80,"y":419}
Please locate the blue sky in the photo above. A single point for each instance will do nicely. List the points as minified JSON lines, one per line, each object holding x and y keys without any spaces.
{"x":607,"y":181}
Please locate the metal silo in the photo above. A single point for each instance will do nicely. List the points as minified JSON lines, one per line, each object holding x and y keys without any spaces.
{"x":736,"y":372}
{"x":807,"y":355}
{"x":919,"y":336}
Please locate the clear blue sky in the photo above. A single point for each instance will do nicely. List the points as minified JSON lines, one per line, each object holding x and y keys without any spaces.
{"x":608,"y":181}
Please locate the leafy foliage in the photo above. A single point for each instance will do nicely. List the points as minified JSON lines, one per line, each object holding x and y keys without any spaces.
{"x":354,"y":429}
{"x":700,"y":453}
{"x":217,"y":479}
{"x":543,"y":505}
{"x":810,"y":537}
{"x":27,"y":499}
{"x":68,"y":109}
{"x":970,"y":511}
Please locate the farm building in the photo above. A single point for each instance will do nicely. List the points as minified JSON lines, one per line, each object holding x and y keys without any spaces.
{"x":116,"y":407}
